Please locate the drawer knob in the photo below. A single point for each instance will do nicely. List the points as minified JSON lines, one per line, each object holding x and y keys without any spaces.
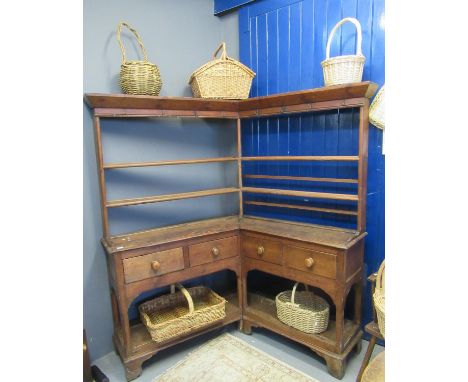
{"x":215,"y":251}
{"x":155,"y":265}
{"x":260,"y":250}
{"x":309,"y":262}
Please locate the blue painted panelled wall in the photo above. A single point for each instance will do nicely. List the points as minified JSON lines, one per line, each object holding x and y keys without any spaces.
{"x":284,"y":41}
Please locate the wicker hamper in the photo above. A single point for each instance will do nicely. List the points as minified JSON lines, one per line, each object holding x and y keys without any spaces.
{"x":175,"y":314}
{"x":222,"y":78}
{"x":344,"y":69}
{"x":138,"y":77}
{"x":379,"y":298}
{"x":303,"y":310}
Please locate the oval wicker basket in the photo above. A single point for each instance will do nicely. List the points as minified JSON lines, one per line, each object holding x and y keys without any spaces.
{"x":223,"y":78}
{"x":303,"y":310}
{"x":344,"y":69}
{"x":138,"y":77}
{"x":377,"y":109}
{"x":379,"y":298}
{"x":175,"y":314}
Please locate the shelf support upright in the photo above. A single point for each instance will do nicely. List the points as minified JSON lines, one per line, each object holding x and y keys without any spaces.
{"x":239,"y":166}
{"x":362,"y":169}
{"x":101,"y":175}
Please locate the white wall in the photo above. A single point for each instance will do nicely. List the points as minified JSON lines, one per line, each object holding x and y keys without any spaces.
{"x":179,"y":37}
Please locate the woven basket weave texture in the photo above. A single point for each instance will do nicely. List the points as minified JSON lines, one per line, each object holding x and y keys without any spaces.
{"x":344,"y":69}
{"x":379,"y":298}
{"x":223,"y":78}
{"x":138,"y":77}
{"x":377,"y":109}
{"x":175,"y":314}
{"x":303,"y":310}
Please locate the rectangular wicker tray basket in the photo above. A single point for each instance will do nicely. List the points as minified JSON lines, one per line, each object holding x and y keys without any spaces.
{"x":176,"y":314}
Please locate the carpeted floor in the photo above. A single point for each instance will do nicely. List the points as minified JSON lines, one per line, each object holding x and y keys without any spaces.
{"x":229,"y":359}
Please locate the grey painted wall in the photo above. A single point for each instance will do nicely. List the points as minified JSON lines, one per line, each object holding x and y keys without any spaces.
{"x":179,"y":37}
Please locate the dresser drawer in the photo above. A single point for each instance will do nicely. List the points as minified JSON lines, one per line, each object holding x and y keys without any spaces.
{"x":307,"y":260}
{"x":213,"y":250}
{"x":262,"y":249}
{"x":154,"y":264}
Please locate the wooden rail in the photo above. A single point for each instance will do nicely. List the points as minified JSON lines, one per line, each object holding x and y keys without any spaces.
{"x":306,"y":194}
{"x":305,"y":158}
{"x":298,"y":207}
{"x":169,"y":197}
{"x":169,"y":162}
{"x":301,"y":178}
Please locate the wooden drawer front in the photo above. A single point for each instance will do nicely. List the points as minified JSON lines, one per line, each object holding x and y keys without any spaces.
{"x":262,"y":249}
{"x":318,"y":263}
{"x":213,"y":250}
{"x":154,"y":264}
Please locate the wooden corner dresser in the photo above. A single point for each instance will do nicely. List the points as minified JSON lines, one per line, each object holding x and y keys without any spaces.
{"x":328,"y":258}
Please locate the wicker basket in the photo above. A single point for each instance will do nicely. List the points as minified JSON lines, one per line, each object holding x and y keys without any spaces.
{"x":303,"y":310}
{"x":222,"y":78}
{"x":344,"y":69}
{"x":138,"y":77}
{"x":379,"y":298}
{"x":176,"y":314}
{"x":377,"y":109}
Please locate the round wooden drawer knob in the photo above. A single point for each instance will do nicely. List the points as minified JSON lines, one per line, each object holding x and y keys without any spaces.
{"x":155,"y":265}
{"x":309,"y":262}
{"x":260,"y":250}
{"x":215,"y":251}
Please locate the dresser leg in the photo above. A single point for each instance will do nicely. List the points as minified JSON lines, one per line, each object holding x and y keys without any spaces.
{"x":133,"y":368}
{"x":358,"y":347}
{"x":245,"y":327}
{"x":336,"y":367}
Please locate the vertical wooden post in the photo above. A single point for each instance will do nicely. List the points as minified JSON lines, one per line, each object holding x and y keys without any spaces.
{"x":101,"y":175}
{"x":362,"y":169}
{"x":239,"y":166}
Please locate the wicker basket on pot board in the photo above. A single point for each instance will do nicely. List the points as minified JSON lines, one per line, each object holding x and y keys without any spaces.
{"x":379,"y":298}
{"x":303,"y":310}
{"x":175,"y":314}
{"x":344,"y":69}
{"x":138,"y":77}
{"x":222,"y":77}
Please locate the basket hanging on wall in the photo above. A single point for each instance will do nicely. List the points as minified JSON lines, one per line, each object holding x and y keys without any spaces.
{"x":138,"y":77}
{"x":223,"y":77}
{"x":344,"y":69}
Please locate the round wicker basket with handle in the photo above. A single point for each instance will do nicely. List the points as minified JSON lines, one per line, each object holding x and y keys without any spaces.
{"x":303,"y":310}
{"x":379,"y":298}
{"x":344,"y":69}
{"x":222,"y":77}
{"x":138,"y":77}
{"x":377,"y":109}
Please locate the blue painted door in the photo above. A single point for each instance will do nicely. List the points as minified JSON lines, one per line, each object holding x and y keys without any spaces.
{"x":284,"y":42}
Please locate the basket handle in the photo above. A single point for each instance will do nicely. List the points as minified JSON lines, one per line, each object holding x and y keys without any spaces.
{"x":359,"y":35}
{"x":122,"y":49}
{"x":293,"y":294}
{"x":186,"y":294}
{"x":381,"y":277}
{"x":223,"y":54}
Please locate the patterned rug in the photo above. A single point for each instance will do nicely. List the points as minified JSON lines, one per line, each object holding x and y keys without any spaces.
{"x":229,"y":359}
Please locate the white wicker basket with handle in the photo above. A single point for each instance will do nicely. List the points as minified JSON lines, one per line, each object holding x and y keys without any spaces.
{"x":344,"y":69}
{"x":377,"y":109}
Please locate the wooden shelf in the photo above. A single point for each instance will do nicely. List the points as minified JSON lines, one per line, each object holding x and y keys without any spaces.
{"x":298,"y":207}
{"x":169,"y":162}
{"x":306,"y":194}
{"x":301,"y":178}
{"x":325,"y":98}
{"x":169,"y":197}
{"x":303,"y":158}
{"x":262,"y":311}
{"x":141,"y":342}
